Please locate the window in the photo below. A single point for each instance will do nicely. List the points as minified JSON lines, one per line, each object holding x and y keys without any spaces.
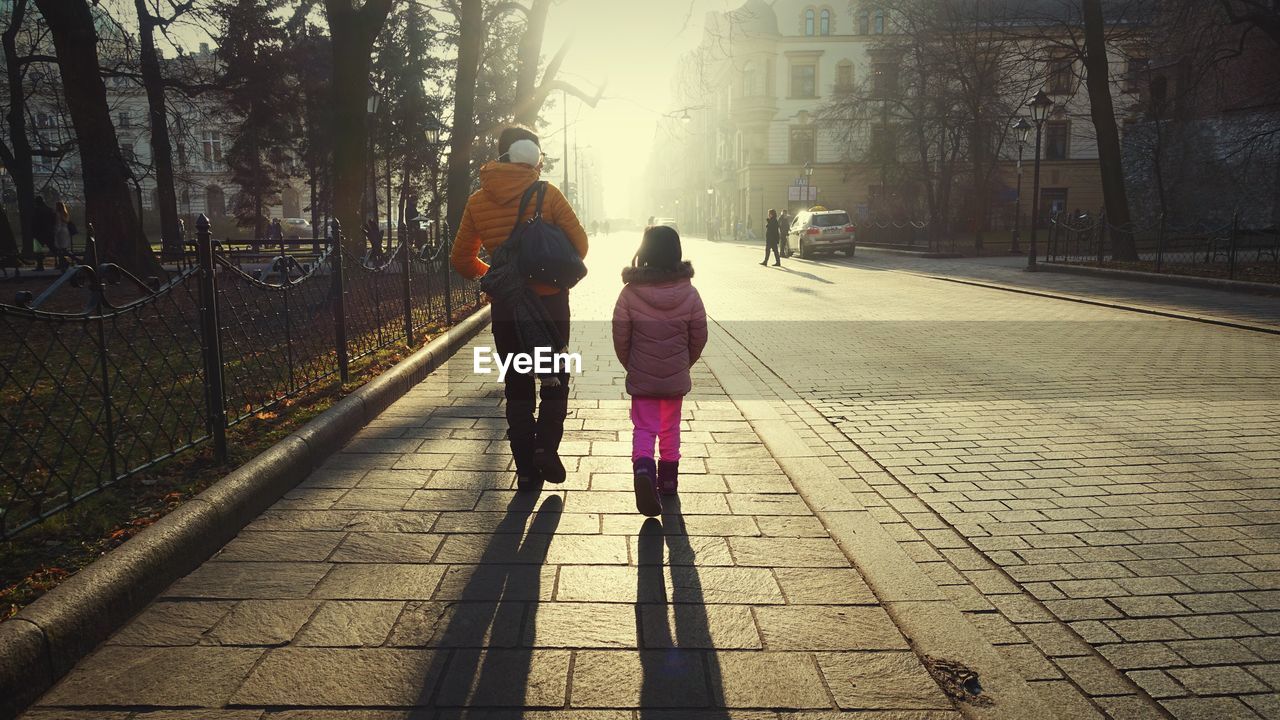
{"x":802,"y":145}
{"x":1133,"y":74}
{"x":750,"y":80}
{"x":844,"y":77}
{"x":804,"y":80}
{"x":808,"y":21}
{"x":824,"y":24}
{"x":43,"y":121}
{"x":211,"y":150}
{"x":1053,"y":201}
{"x":1056,"y":136}
{"x":864,"y":23}
{"x":122,"y":120}
{"x":126,"y":149}
{"x":884,"y":79}
{"x":879,"y":22}
{"x":1159,"y":95}
{"x":1061,"y":76}
{"x":884,"y":149}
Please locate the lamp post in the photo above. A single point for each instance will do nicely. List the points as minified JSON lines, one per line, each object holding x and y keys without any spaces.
{"x":1022,"y":132}
{"x":808,"y":180}
{"x":1040,"y":106}
{"x":372,"y":189}
{"x":711,"y":213}
{"x":432,"y":134}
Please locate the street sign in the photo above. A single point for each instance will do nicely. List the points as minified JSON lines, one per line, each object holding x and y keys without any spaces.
{"x":799,"y":194}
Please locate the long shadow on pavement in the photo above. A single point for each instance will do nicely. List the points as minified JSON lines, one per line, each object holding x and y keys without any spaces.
{"x":676,"y":672}
{"x":490,"y":661}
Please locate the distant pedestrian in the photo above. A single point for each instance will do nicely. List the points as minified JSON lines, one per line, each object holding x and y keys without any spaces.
{"x":43,"y":223}
{"x":772,"y":236}
{"x":605,"y":227}
{"x":62,"y":235}
{"x":595,"y":227}
{"x":275,"y":233}
{"x":659,"y":332}
{"x":374,"y":234}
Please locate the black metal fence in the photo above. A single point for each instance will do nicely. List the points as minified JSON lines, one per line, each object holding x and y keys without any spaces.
{"x":906,"y":234}
{"x":1224,"y":250}
{"x":104,"y":374}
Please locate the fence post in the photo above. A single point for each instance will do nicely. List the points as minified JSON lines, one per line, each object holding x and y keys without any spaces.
{"x":1235,"y":232}
{"x":405,"y":269}
{"x":339,"y":301}
{"x":98,"y":293}
{"x":210,"y":340}
{"x":448,"y":295}
{"x":1160,"y":244}
{"x":1104,"y":232}
{"x":90,"y":247}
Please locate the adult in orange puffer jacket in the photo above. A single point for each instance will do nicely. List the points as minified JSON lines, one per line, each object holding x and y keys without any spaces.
{"x":487,"y":221}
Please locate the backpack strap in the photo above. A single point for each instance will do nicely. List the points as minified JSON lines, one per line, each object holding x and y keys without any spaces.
{"x":524,"y":205}
{"x":542,"y":193}
{"x":539,"y":186}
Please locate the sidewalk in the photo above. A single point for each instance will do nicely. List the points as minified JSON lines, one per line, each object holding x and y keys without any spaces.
{"x":1010,"y":271}
{"x":406,"y":573}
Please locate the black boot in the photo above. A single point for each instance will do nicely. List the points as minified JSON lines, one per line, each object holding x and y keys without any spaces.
{"x":668,"y":476}
{"x":648,"y":502}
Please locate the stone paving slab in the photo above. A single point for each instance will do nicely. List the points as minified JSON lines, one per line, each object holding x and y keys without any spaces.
{"x":389,"y":586}
{"x":1093,"y":487}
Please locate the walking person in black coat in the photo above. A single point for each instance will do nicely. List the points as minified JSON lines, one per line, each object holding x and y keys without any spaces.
{"x":772,"y":236}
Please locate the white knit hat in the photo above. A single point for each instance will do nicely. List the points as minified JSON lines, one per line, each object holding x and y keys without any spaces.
{"x":524,"y":151}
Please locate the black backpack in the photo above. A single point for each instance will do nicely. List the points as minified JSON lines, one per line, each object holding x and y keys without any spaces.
{"x":543,"y":252}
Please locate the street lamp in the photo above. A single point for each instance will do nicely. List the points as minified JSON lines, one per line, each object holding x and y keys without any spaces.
{"x":433,"y":133}
{"x":711,"y":213}
{"x":1040,"y":106}
{"x":1022,"y":132}
{"x":371,"y":106}
{"x":808,"y":180}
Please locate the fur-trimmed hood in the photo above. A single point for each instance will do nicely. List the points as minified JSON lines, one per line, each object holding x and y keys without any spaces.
{"x":657,"y":276}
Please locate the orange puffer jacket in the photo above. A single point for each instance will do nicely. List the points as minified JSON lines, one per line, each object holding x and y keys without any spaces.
{"x":491,"y":214}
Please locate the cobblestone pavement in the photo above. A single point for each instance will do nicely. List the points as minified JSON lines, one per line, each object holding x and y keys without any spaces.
{"x":1100,"y":489}
{"x":407,"y":573}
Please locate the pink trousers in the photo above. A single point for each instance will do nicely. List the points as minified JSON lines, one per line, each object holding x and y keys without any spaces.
{"x":656,"y":417}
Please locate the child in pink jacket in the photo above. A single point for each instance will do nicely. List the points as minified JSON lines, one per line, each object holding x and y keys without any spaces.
{"x":659,"y":331}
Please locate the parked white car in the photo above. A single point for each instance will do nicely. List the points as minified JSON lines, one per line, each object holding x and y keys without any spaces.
{"x":296,"y":227}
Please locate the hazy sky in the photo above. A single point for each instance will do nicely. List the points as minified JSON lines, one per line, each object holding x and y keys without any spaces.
{"x":634,"y":44}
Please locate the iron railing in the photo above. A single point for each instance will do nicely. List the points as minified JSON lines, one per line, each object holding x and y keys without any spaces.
{"x":105,"y":374}
{"x":1224,"y":250}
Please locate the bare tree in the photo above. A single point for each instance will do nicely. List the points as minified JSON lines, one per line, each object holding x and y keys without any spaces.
{"x":471,"y":35}
{"x":106,"y":177}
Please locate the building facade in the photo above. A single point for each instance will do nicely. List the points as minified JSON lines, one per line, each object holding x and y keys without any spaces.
{"x":750,"y":118}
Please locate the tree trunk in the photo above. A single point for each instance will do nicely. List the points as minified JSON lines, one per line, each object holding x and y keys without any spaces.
{"x":108,"y":204}
{"x":158,"y":123}
{"x":17,"y":156}
{"x":470,"y":44}
{"x":529,"y":58}
{"x":352,"y":35}
{"x":1104,"y":126}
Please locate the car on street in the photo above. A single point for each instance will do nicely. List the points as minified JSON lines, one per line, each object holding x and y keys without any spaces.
{"x":669,"y":222}
{"x":823,"y":231}
{"x":296,"y":228}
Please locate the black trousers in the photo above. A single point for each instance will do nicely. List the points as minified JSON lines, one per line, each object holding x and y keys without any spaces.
{"x":525,"y":432}
{"x":771,"y":245}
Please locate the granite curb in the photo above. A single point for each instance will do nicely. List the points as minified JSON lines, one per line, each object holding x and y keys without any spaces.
{"x":45,"y":640}
{"x":1113,"y":304}
{"x":1240,"y":286}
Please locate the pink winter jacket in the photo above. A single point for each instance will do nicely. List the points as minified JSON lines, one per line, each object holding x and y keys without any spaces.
{"x":659,"y":330}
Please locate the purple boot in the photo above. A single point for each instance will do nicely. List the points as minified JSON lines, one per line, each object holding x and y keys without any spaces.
{"x":648,"y":502}
{"x":668,"y":476}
